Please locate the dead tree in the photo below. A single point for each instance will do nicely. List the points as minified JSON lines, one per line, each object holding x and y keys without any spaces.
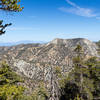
{"x":54,"y":86}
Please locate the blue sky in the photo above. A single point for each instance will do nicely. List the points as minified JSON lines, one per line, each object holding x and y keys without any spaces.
{"x":44,"y":20}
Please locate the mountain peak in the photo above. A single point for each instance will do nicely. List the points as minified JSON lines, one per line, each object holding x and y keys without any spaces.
{"x":57,"y":41}
{"x":75,"y":40}
{"x":31,"y":59}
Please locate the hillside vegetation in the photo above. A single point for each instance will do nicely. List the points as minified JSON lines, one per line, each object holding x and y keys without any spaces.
{"x":78,"y":80}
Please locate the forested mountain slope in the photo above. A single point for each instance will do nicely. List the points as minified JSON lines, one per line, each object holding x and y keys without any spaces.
{"x":45,"y":66}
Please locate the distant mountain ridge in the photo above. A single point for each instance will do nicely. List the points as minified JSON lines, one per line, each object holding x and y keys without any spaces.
{"x":20,"y":42}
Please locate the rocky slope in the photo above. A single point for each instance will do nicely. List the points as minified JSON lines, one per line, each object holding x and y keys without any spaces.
{"x":35,"y":60}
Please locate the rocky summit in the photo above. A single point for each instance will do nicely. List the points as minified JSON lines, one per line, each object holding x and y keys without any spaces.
{"x":35,"y":60}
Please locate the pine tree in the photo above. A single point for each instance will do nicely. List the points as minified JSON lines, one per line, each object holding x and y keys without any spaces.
{"x":94,"y":70}
{"x":11,"y":6}
{"x":80,"y":76}
{"x":9,"y":90}
{"x":2,"y":27}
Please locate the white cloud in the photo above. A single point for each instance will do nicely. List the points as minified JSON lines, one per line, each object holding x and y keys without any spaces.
{"x":77,"y":10}
{"x":71,"y":3}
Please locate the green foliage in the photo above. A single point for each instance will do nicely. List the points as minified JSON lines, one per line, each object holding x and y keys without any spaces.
{"x":62,"y":82}
{"x":92,"y":61}
{"x":79,"y":59}
{"x":58,"y":72}
{"x":79,"y":51}
{"x":87,"y":77}
{"x":76,"y":60}
{"x":78,"y":48}
{"x":23,"y":97}
{"x":98,"y":43}
{"x":78,"y":98}
{"x":81,"y":77}
{"x":9,"y":89}
{"x":40,"y":93}
{"x":83,"y":82}
{"x":69,"y":91}
{"x":7,"y":76}
{"x":10,"y":5}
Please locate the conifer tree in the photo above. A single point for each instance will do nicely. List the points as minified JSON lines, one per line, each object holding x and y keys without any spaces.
{"x":10,"y":6}
{"x":2,"y":27}
{"x":80,"y":76}
{"x":9,"y":90}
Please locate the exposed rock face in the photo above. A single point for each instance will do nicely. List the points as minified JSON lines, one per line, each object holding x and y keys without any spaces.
{"x":35,"y":60}
{"x":89,"y":47}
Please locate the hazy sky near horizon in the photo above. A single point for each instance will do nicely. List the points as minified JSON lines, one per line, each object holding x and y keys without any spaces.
{"x":44,"y":20}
